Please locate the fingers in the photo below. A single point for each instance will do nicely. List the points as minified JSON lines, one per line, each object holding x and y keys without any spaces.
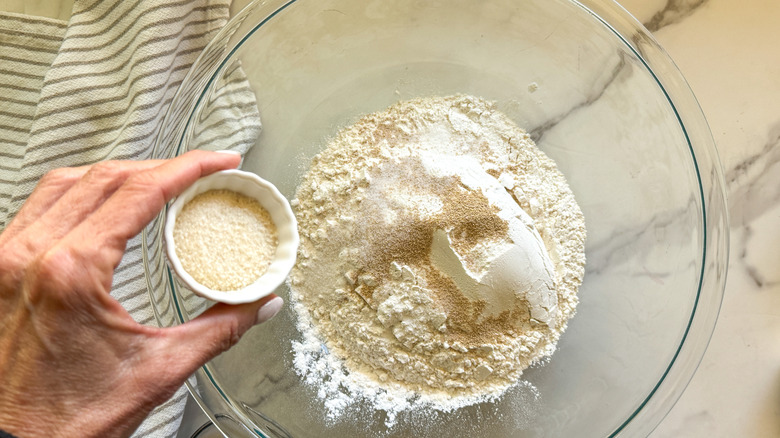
{"x":50,"y":189}
{"x":188,"y":346}
{"x":96,"y":185}
{"x":140,"y":198}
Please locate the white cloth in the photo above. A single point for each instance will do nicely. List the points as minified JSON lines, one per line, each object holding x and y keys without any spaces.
{"x":97,"y":87}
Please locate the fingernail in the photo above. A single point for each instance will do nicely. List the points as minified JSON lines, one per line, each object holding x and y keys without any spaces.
{"x":269,"y":310}
{"x":225,"y":151}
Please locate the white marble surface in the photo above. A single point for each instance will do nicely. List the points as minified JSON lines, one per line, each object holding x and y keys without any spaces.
{"x":728,"y":51}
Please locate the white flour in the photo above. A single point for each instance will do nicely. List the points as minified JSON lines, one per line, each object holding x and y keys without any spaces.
{"x":440,"y":256}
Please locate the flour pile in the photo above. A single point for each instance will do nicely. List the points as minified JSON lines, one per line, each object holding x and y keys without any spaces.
{"x":440,"y":256}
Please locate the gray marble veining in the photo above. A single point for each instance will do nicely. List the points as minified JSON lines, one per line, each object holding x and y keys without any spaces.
{"x":754,"y":182}
{"x":673,"y":12}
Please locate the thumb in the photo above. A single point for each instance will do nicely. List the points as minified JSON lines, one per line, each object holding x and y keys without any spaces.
{"x":189,"y":346}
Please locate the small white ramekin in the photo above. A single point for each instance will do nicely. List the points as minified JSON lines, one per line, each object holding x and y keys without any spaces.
{"x":282,"y":216}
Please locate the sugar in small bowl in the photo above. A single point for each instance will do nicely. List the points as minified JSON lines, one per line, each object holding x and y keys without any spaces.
{"x":231,"y":237}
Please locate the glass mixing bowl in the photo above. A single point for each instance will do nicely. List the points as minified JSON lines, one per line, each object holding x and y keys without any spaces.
{"x":597,"y":94}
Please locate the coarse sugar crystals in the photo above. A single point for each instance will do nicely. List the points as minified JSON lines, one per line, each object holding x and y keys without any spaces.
{"x":225,"y":240}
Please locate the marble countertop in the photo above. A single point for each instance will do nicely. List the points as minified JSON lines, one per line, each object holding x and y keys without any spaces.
{"x":727,"y":51}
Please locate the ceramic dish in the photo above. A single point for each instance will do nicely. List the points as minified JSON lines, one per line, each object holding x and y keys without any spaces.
{"x":268,"y":196}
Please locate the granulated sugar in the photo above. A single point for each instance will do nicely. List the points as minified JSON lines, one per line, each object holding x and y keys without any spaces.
{"x":440,"y":256}
{"x":224,"y":240}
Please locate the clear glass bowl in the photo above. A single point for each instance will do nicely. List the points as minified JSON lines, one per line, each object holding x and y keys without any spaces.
{"x":597,"y":94}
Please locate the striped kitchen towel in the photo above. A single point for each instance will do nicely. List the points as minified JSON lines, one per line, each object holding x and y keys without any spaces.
{"x":96,"y":87}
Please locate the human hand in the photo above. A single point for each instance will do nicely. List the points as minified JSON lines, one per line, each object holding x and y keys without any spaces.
{"x":73,"y":362}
